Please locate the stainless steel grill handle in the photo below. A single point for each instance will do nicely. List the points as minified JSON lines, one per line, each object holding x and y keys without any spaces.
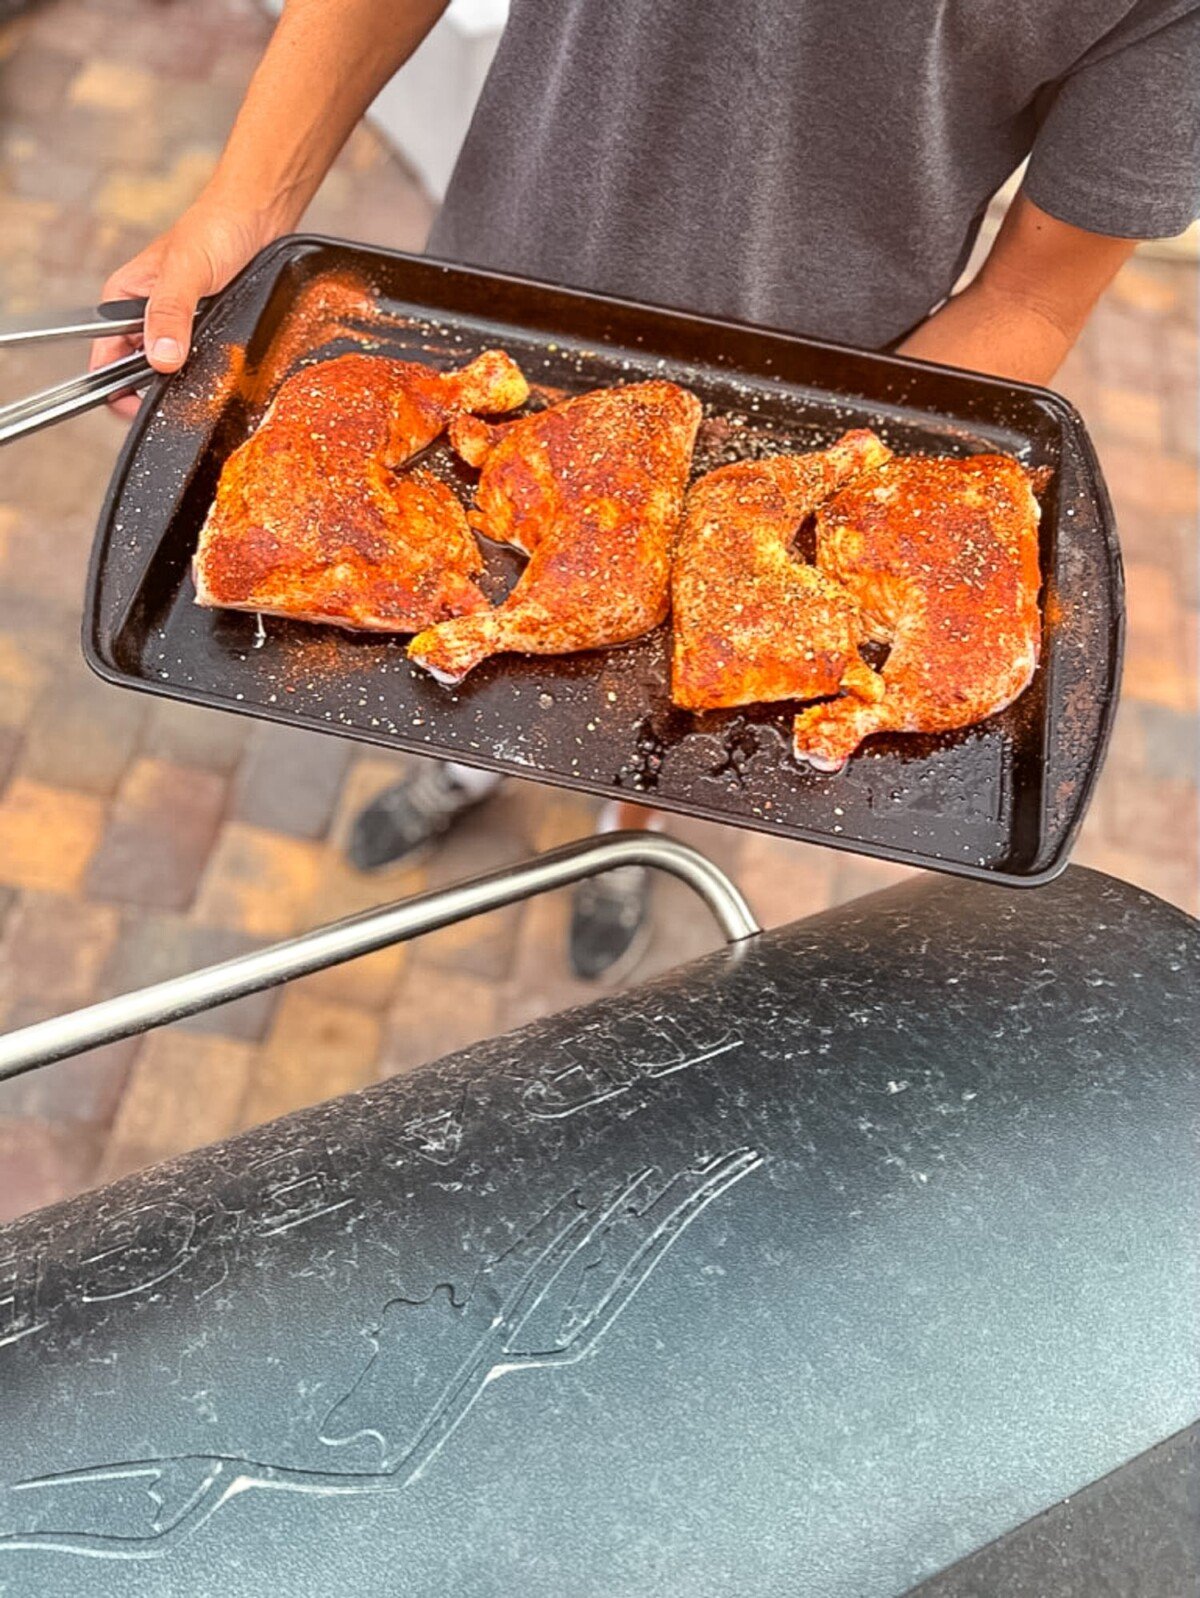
{"x":163,"y":1002}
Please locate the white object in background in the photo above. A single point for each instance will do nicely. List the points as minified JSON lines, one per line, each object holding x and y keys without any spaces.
{"x":425,"y":111}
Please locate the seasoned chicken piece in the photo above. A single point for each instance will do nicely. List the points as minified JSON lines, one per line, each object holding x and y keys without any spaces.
{"x":311,"y":521}
{"x":752,"y":622}
{"x":942,"y":556}
{"x":592,"y":490}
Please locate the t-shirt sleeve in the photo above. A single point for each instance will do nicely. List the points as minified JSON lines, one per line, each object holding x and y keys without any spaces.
{"x":1118,"y":150}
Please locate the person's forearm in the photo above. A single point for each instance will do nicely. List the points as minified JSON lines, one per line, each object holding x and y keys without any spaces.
{"x":1020,"y":316}
{"x":324,"y":65}
{"x":996,"y":334}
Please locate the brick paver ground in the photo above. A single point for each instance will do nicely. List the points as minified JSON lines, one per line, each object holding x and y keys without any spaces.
{"x":139,"y":839}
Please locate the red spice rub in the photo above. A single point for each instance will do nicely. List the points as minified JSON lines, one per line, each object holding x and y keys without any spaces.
{"x":592,"y":490}
{"x":941,"y":555}
{"x":311,"y":520}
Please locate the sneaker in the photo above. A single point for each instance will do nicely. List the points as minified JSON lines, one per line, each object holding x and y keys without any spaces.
{"x":610,"y":923}
{"x":407,"y":817}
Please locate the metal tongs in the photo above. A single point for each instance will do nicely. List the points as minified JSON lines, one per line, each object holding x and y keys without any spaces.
{"x":76,"y":394}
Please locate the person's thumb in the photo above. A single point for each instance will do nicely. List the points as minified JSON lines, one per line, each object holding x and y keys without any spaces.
{"x":169,"y":313}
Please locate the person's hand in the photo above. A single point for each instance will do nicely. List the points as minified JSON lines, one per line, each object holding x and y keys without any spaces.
{"x":207,"y":247}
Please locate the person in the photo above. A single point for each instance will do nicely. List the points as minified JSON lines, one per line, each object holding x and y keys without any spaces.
{"x":797,"y":163}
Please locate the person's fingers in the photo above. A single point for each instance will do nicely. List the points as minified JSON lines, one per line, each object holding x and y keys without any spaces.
{"x":180,"y":283}
{"x":125,"y":406}
{"x":135,"y":280}
{"x":131,"y":281}
{"x":105,"y":350}
{"x":136,"y":277}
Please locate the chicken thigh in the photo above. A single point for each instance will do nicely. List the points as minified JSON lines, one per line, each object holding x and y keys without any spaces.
{"x":941,"y":555}
{"x":753,"y":623}
{"x":310,"y":518}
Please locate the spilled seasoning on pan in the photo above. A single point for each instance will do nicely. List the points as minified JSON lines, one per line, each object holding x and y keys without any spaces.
{"x":195,"y":409}
{"x":329,"y":307}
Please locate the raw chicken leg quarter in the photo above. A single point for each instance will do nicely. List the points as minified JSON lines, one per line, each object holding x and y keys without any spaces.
{"x":941,"y":554}
{"x":592,"y":490}
{"x":311,"y":519}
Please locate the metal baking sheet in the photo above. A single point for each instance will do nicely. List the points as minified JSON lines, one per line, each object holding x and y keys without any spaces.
{"x":1003,"y":799}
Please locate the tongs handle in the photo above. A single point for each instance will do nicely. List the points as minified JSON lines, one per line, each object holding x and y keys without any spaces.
{"x":113,"y":316}
{"x":76,"y":394}
{"x":98,"y":321}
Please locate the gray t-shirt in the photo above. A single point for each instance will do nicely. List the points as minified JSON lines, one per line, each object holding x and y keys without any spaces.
{"x":816,"y":165}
